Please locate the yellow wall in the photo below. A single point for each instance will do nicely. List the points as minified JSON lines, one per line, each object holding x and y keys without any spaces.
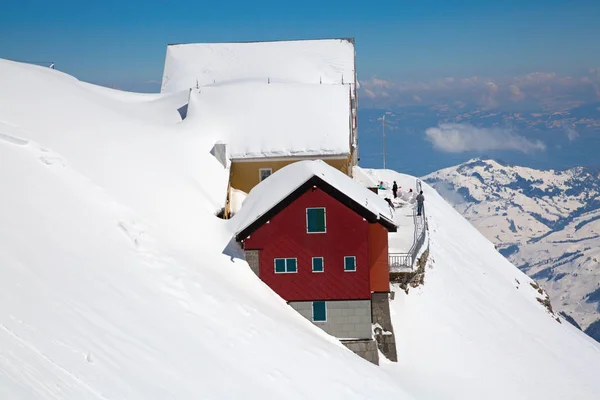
{"x":245,"y":175}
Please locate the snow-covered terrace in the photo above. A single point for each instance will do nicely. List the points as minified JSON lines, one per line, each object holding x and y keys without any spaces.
{"x":257,"y":119}
{"x":401,"y":241}
{"x":326,"y":61}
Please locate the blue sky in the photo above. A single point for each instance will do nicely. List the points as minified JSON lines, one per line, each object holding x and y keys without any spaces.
{"x":123,"y":42}
{"x":460,"y":57}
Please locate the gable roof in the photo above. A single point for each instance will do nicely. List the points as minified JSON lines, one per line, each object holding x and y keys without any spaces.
{"x":279,"y":190}
{"x":257,"y":119}
{"x":326,"y":61}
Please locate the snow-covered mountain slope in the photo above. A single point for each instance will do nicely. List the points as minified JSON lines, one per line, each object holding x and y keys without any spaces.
{"x":112,"y":279}
{"x":545,"y":222}
{"x":114,"y":282}
{"x":476,"y":329}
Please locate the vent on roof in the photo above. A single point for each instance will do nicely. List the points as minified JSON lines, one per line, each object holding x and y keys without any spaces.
{"x":219,"y":151}
{"x":183,"y":111}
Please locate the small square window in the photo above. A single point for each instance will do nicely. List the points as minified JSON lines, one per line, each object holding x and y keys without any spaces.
{"x":319,"y":311}
{"x":317,"y":264}
{"x":264,"y":173}
{"x":286,"y":265}
{"x":315,"y":220}
{"x":350,"y":263}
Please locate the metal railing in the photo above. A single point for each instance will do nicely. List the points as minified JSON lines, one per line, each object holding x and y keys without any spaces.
{"x":406,"y":261}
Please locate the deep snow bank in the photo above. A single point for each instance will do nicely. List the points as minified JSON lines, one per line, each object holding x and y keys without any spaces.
{"x":475,"y":329}
{"x":112,"y":281}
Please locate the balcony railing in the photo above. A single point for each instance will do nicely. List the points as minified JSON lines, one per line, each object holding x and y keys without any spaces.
{"x":399,"y":262}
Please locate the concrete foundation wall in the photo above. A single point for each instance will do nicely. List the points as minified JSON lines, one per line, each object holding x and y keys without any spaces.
{"x":347,"y":319}
{"x":253,"y":260}
{"x":366,"y":349}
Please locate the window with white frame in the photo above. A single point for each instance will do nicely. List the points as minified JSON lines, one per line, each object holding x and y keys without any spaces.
{"x":264,"y":173}
{"x":317,"y":264}
{"x":316,"y":220}
{"x":286,"y":265}
{"x":350,"y":263}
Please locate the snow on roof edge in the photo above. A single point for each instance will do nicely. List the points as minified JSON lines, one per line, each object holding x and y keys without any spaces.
{"x":348,"y":39}
{"x":250,"y":116}
{"x":329,"y":155}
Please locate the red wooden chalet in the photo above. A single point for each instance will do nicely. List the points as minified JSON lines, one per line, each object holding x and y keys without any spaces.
{"x":319,"y":240}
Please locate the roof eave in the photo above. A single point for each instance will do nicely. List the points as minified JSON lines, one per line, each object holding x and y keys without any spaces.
{"x":347,"y":39}
{"x":332,"y":156}
{"x":388,"y":223}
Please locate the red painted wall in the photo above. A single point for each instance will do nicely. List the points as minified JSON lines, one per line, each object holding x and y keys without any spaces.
{"x":378,"y":258}
{"x":285,"y":237}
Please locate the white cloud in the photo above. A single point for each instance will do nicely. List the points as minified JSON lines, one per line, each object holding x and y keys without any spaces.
{"x":572,"y":134}
{"x":537,"y":77}
{"x":369,"y":93}
{"x":516,"y":94}
{"x":381,"y":83}
{"x":492,"y":86}
{"x":458,"y":138}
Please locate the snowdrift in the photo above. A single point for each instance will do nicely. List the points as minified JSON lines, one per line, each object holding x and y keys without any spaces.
{"x":117,"y":280}
{"x":476,"y":329}
{"x":112,"y":279}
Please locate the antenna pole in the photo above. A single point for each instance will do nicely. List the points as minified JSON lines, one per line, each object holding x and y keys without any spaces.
{"x":383,"y":123}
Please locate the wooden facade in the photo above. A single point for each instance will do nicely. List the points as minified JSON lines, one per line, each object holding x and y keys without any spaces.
{"x":245,"y":173}
{"x":348,"y":233}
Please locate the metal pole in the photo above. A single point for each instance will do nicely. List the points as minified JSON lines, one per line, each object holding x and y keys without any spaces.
{"x":383,"y":141}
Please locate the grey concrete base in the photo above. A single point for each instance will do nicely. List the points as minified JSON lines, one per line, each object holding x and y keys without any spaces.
{"x":386,"y":340}
{"x":366,"y":349}
{"x":346,"y":319}
{"x":253,"y":260}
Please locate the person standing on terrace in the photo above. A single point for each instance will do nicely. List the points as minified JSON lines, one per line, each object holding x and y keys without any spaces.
{"x":420,"y":201}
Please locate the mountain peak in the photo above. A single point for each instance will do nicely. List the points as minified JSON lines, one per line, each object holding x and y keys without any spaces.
{"x":545,"y":222}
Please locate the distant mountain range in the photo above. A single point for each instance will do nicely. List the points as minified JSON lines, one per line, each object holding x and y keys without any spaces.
{"x":546,"y":222}
{"x":568,"y":130}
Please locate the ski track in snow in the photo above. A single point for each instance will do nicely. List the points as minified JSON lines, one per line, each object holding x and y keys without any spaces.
{"x":13,"y":140}
{"x":75,"y":381}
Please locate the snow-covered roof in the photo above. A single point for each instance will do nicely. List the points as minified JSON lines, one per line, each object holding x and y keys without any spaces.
{"x":327,"y":61}
{"x":274,"y":120}
{"x":286,"y":181}
{"x":363,"y":178}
